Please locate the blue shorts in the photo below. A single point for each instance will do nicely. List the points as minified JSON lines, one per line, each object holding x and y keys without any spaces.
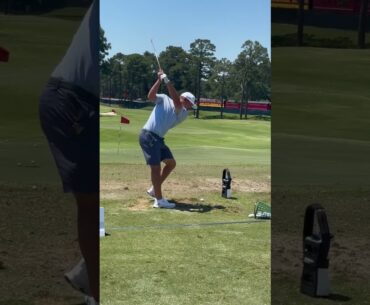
{"x":154,"y":148}
{"x":70,"y":120}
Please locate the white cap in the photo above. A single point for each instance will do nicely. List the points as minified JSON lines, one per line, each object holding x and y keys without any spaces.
{"x":189,"y":96}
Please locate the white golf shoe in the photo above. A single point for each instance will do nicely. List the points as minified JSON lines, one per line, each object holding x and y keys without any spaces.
{"x":150,"y":192}
{"x":78,"y":277}
{"x":90,"y":301}
{"x":163,"y":203}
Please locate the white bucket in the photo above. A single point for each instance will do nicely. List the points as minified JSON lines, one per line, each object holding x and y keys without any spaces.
{"x":101,"y":223}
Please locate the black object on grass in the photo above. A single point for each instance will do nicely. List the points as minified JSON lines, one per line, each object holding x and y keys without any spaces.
{"x":316,"y":244}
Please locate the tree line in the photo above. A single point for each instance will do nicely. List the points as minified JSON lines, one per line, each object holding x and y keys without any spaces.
{"x":130,"y":76}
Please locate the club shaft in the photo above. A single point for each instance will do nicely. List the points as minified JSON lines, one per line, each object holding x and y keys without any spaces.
{"x":155,"y":54}
{"x":159,"y":65}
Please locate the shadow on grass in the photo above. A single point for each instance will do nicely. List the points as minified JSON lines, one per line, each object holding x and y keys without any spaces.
{"x":218,"y":117}
{"x":16,"y":302}
{"x":309,"y":40}
{"x":262,"y":117}
{"x":338,"y":297}
{"x":250,"y":116}
{"x":23,"y":302}
{"x":196,"y":207}
{"x":232,"y":198}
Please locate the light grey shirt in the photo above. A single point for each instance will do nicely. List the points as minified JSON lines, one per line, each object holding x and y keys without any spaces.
{"x":164,"y":116}
{"x":80,"y":65}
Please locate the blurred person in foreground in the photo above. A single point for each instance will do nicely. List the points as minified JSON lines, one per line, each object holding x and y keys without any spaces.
{"x":69,"y":117}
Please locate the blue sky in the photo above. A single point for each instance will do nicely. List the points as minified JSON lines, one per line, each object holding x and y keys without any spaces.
{"x":129,"y":25}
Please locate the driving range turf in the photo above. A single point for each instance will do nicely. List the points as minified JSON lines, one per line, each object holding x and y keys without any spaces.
{"x":38,"y":238}
{"x":207,"y":250}
{"x":320,"y":155}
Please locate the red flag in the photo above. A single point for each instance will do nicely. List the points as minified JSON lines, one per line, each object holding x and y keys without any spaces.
{"x":124,"y":120}
{"x":4,"y":54}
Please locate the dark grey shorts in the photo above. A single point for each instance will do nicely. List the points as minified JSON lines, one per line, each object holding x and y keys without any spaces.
{"x":154,"y":148}
{"x":70,"y":121}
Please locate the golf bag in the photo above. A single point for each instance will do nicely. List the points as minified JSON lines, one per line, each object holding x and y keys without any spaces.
{"x":316,"y":245}
{"x":226,"y":183}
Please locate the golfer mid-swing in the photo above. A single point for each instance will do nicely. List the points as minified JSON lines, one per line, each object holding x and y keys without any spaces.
{"x":168,"y":112}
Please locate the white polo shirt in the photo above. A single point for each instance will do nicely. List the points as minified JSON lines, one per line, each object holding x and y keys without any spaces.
{"x":164,"y":116}
{"x":80,"y":65}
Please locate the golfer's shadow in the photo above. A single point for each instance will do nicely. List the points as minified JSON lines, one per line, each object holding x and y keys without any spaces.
{"x":196,"y":207}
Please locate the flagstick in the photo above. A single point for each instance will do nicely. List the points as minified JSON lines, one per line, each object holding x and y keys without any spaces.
{"x":119,"y":137}
{"x":123,"y":121}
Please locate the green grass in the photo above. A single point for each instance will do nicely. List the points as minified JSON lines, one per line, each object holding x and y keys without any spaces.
{"x":282,"y":29}
{"x":212,"y":265}
{"x":321,"y":116}
{"x":285,"y":34}
{"x":36,"y":46}
{"x":171,"y":256}
{"x":195,"y":141}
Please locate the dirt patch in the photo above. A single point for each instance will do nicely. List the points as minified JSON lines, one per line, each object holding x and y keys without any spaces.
{"x":141,"y":205}
{"x":251,"y":186}
{"x":114,"y":190}
{"x":38,"y":243}
{"x":183,"y":204}
{"x":214,"y":185}
{"x":348,"y":257}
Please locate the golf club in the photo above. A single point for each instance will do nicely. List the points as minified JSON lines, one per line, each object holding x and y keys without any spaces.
{"x":155,"y":54}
